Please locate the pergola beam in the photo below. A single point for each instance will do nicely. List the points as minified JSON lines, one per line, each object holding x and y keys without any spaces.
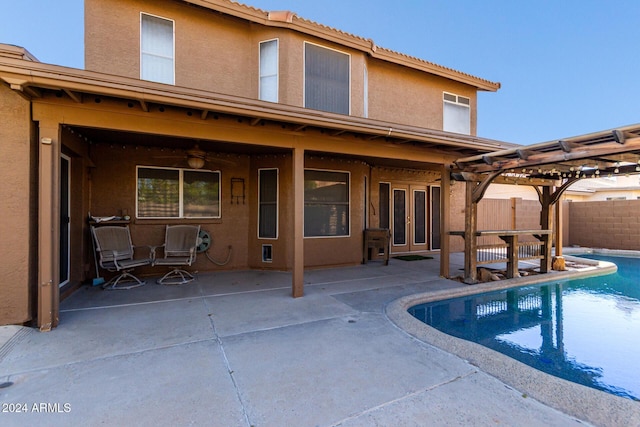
{"x":538,"y":159}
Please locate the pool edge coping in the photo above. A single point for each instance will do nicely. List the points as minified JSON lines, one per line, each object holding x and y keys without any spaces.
{"x":582,"y":402}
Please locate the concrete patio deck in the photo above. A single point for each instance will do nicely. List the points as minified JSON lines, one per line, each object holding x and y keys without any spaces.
{"x":234,"y":349}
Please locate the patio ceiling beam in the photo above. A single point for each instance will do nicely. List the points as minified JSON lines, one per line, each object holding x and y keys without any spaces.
{"x":204,"y":114}
{"x":539,"y":159}
{"x":75,"y":96}
{"x":143,"y":105}
{"x":255,"y":121}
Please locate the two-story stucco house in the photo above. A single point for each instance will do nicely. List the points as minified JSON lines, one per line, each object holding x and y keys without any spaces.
{"x":301,"y":135}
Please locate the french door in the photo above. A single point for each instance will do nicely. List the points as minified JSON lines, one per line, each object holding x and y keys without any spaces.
{"x":410,"y":218}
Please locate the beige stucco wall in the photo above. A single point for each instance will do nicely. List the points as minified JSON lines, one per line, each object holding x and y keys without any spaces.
{"x":403,"y":95}
{"x":15,"y":209}
{"x":213,"y":52}
{"x":218,"y":53}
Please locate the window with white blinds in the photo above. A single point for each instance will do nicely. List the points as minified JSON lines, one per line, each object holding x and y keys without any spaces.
{"x":156,"y":49}
{"x":456,"y":114}
{"x":269,"y":70}
{"x":326,"y":79}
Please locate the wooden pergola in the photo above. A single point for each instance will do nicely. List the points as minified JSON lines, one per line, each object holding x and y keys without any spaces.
{"x":550,"y":168}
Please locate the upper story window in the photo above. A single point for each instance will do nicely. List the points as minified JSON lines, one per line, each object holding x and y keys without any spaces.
{"x":327,"y":78}
{"x":269,"y":70}
{"x":177,"y":193}
{"x":156,"y":49}
{"x":456,"y":114}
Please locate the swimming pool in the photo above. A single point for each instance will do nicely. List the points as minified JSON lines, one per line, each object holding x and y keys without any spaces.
{"x":584,"y":330}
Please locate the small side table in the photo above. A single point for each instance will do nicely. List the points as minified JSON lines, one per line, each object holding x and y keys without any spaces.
{"x":376,"y":239}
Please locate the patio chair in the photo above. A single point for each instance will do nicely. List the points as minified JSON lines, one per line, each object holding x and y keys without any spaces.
{"x":179,"y":248}
{"x":116,"y":254}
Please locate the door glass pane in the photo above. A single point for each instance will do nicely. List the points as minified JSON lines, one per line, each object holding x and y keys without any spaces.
{"x":419,"y":217}
{"x":399,"y":218}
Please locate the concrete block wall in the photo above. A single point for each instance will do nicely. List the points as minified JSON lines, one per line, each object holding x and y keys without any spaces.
{"x":611,"y":224}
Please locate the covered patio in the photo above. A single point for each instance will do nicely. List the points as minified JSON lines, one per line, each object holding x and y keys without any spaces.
{"x":258,"y":357}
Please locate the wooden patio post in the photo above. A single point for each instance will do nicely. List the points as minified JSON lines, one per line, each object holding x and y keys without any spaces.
{"x":558,"y":228}
{"x":445,"y":209}
{"x":49,"y":227}
{"x":546,"y":224}
{"x":470,"y":238}
{"x":297,"y":185}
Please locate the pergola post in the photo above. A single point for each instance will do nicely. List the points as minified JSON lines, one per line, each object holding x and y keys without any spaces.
{"x":470,"y":238}
{"x":297,"y":185}
{"x":558,"y":228}
{"x":445,"y":226}
{"x":546,"y":224}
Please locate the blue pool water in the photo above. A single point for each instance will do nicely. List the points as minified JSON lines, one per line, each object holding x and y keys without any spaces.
{"x":585,"y":330}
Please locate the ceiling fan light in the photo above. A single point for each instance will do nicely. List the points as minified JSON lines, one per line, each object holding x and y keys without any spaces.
{"x":195,"y":162}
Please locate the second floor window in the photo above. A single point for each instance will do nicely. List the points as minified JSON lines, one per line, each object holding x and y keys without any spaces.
{"x":326,"y":79}
{"x":456,"y":114}
{"x":156,"y":49}
{"x":269,"y":70}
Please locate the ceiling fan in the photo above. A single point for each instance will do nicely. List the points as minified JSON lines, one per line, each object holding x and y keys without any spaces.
{"x":197,"y":157}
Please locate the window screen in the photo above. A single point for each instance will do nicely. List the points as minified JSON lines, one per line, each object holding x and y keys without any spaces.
{"x":326,"y":203}
{"x":268,"y":203}
{"x":326,"y":79}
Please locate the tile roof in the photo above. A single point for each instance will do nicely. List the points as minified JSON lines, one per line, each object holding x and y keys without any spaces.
{"x":291,"y":20}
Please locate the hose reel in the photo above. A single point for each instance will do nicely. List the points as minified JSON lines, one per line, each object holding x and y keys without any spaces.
{"x":204,"y":241}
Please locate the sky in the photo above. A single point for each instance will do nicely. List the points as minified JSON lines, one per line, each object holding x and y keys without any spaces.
{"x":566,"y":67}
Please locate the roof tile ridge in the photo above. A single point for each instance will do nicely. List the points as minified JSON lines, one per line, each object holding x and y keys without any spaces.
{"x":432,"y":64}
{"x":327,"y":27}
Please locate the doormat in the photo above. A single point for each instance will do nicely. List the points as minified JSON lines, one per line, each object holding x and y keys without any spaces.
{"x":412,"y":257}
